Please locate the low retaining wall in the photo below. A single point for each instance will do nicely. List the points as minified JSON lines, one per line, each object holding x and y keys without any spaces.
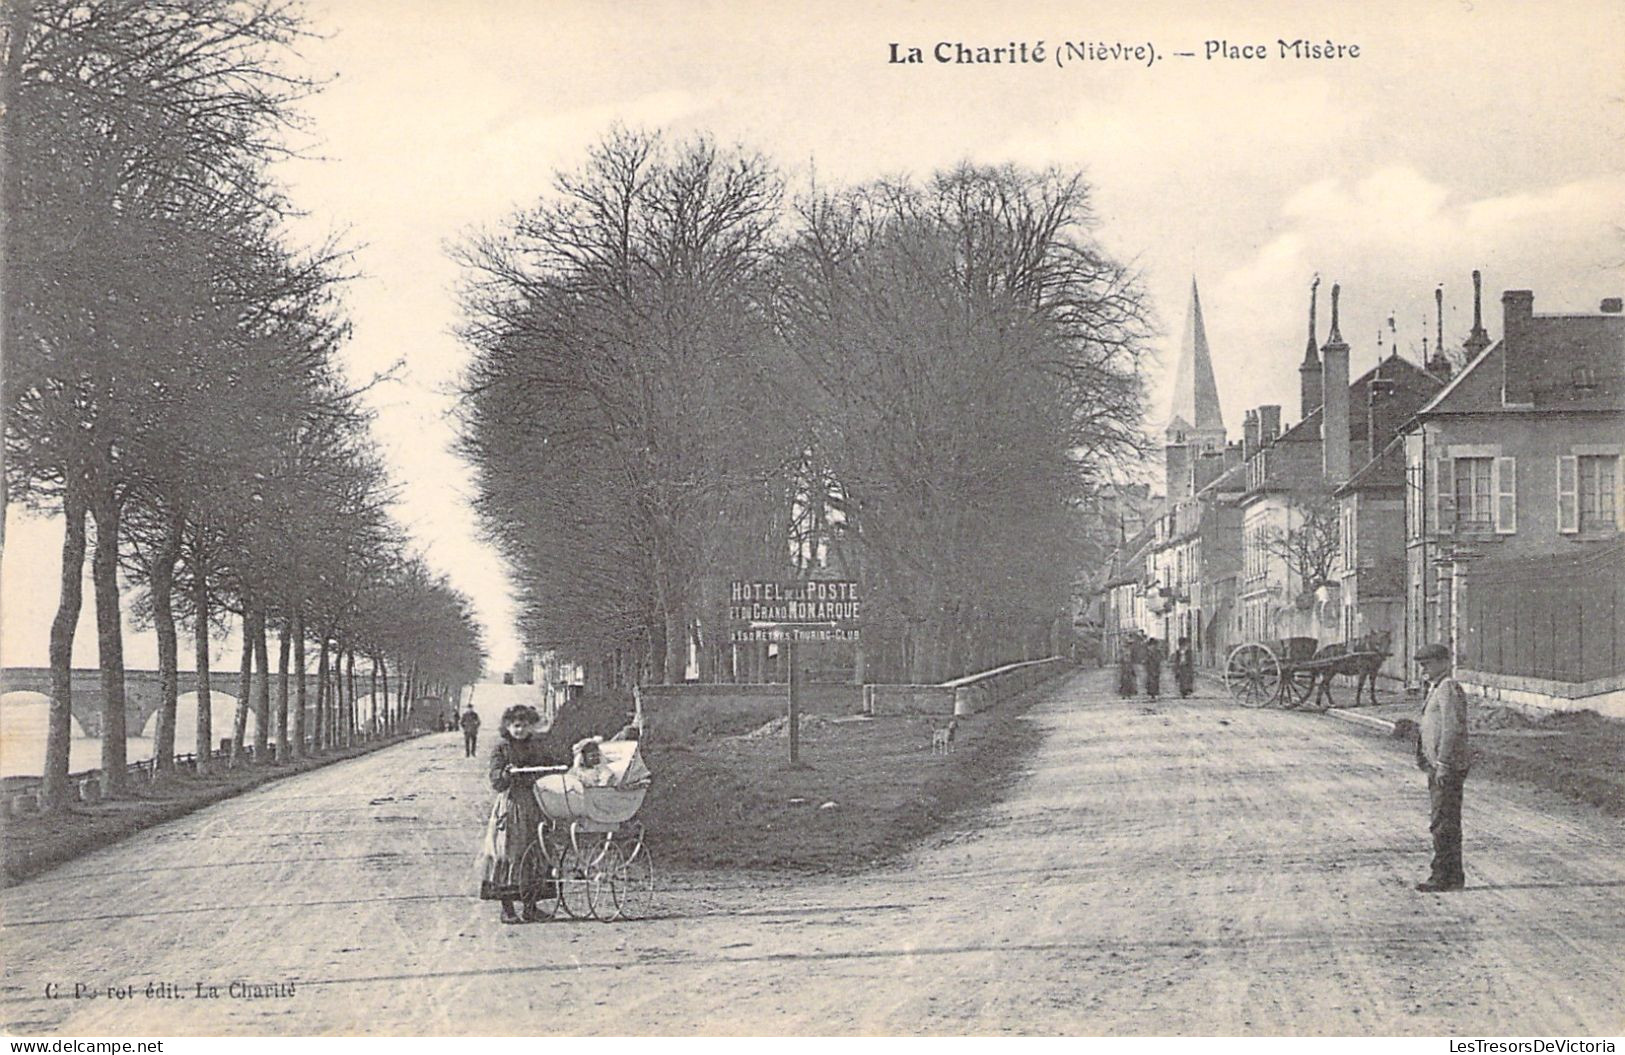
{"x":908,"y":699}
{"x":683,"y":712}
{"x":962,"y":696}
{"x":1537,"y":696}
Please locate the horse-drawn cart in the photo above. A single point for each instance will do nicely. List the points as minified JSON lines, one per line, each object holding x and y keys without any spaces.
{"x":1297,"y":672}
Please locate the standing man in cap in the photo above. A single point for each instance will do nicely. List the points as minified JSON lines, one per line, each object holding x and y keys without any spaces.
{"x":471,"y":731}
{"x":1442,"y":754}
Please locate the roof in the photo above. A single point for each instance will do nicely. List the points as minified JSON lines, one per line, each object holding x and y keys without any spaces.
{"x":1386,"y":470}
{"x":1233,"y":478}
{"x":1482,"y":392}
{"x":1550,"y":349}
{"x":1394,"y":368}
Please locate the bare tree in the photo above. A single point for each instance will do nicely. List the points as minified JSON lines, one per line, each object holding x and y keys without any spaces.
{"x":614,"y":408}
{"x":976,"y":360}
{"x":1310,"y":544}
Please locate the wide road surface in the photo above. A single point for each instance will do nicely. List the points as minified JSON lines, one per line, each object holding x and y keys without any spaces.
{"x":1188,"y":867}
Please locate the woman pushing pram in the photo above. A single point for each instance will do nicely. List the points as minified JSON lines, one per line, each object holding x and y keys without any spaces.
{"x":516,"y":816}
{"x":581,"y":797}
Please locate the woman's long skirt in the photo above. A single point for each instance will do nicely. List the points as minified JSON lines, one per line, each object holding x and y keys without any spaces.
{"x":1125,"y":680}
{"x":512,"y":830}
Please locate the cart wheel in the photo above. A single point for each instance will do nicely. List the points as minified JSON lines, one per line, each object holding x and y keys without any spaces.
{"x":578,"y":873}
{"x":603,"y":889}
{"x":536,"y":882}
{"x":1252,"y":674}
{"x":635,"y":881}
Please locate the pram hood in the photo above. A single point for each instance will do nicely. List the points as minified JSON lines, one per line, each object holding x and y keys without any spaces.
{"x":624,"y":763}
{"x":608,"y":793}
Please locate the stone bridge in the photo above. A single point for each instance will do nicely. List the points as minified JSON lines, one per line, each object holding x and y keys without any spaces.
{"x":141,"y":691}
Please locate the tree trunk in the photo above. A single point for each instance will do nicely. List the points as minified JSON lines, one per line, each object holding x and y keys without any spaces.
{"x":56,"y":791}
{"x":372,"y":695}
{"x":18,"y":32}
{"x":335,"y":697}
{"x":355,"y":717}
{"x":262,"y":692}
{"x":200,"y":651}
{"x":393,"y":711}
{"x":284,"y":644}
{"x":110,"y":642}
{"x":318,"y":738}
{"x":161,"y":587}
{"x":245,"y":686}
{"x":676,"y":647}
{"x":299,"y":700}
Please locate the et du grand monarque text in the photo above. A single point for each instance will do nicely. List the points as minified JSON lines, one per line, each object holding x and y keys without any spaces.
{"x":1146,"y":53}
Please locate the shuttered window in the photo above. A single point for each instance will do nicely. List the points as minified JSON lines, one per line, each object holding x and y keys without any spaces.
{"x":1444,"y":496}
{"x":1568,"y":494}
{"x":1506,"y":495}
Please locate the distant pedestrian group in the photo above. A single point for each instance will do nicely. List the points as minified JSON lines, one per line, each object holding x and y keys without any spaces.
{"x":1140,"y":662}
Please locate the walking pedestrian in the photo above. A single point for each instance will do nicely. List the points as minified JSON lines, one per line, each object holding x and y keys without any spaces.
{"x":1184,"y":664}
{"x":471,"y":732}
{"x":1153,"y":667}
{"x":1126,"y":686}
{"x":1442,"y":752}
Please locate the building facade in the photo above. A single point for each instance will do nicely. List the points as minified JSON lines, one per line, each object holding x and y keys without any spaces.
{"x":1518,"y":461}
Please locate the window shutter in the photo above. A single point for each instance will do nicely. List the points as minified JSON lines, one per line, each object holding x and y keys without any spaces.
{"x":1619,"y":495}
{"x":1568,"y":494}
{"x":1505,"y":485}
{"x":1444,"y":496}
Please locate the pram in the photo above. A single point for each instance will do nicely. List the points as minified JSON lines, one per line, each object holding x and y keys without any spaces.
{"x":591,"y":859}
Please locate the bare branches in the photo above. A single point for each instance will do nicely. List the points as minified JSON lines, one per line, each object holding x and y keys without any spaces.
{"x":1310,"y":543}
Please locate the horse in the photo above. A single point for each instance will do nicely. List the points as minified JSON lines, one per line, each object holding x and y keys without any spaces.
{"x":1361,"y":662}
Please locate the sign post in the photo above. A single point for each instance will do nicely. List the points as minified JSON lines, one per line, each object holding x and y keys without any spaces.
{"x":787,"y":614}
{"x":794,"y":706}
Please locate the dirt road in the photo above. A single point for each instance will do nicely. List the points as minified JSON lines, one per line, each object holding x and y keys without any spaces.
{"x":1183,"y":868}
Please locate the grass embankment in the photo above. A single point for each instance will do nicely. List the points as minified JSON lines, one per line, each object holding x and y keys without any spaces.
{"x":33,"y":843}
{"x":725,"y":796}
{"x":1576,"y":754}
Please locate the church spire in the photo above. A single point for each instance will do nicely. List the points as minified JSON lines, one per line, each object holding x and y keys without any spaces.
{"x":1196,"y":395}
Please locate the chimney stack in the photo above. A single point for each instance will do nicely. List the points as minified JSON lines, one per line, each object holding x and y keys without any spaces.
{"x":1309,"y":376}
{"x":1478,"y":340}
{"x":1249,"y":435}
{"x":1522,"y":363}
{"x":1439,"y":365}
{"x":1269,"y":424}
{"x":1334,"y":422}
{"x":1379,"y":424}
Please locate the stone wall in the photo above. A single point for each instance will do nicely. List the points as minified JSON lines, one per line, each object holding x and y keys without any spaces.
{"x":686,"y":712}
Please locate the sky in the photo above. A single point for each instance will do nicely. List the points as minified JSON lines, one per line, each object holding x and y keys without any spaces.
{"x":1466,"y":134}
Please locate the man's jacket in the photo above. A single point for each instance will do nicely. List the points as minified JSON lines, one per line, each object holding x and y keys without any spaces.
{"x":1444,"y":726}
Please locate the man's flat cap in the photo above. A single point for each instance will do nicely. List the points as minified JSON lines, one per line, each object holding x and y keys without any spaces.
{"x":1432,"y":652}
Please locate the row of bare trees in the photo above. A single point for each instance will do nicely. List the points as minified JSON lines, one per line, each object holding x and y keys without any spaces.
{"x":684,"y":375}
{"x":172,"y":387}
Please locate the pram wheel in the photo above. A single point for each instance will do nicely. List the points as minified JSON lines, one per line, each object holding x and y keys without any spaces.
{"x":634,"y":880}
{"x":536,"y":883}
{"x":580,"y":875}
{"x":602,"y":890}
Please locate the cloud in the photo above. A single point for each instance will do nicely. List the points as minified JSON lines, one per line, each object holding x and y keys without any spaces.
{"x":1390,"y":237}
